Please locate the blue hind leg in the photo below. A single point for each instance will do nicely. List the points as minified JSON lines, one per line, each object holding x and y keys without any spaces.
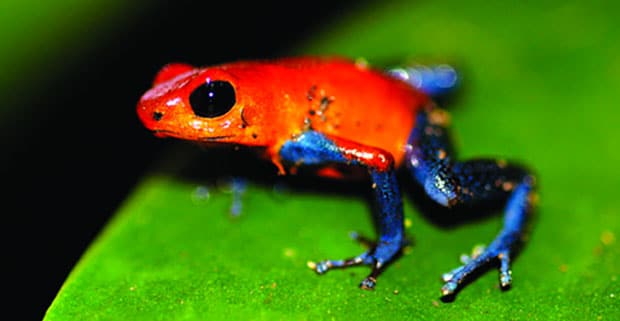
{"x":450,"y":182}
{"x":434,"y":80}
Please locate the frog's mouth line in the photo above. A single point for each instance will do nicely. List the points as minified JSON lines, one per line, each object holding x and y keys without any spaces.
{"x":215,"y":138}
{"x":163,"y":132}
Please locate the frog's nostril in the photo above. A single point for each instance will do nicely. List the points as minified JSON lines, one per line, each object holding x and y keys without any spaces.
{"x":157,"y":116}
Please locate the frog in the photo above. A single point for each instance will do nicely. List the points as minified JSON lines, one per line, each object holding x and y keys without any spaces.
{"x":332,"y":114}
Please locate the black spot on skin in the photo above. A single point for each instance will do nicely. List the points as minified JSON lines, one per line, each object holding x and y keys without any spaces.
{"x":157,"y":116}
{"x":310,"y":94}
{"x":254,"y":136}
{"x":325,"y":102}
{"x":311,"y":112}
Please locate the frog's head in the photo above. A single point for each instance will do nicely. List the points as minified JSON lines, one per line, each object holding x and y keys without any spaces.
{"x":198,"y":104}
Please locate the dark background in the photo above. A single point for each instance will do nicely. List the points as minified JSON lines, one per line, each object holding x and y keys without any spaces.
{"x":73,"y":147}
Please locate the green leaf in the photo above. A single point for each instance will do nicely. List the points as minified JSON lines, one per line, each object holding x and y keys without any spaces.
{"x":540,"y":87}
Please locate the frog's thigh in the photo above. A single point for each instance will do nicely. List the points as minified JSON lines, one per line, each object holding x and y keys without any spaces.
{"x":448,"y":181}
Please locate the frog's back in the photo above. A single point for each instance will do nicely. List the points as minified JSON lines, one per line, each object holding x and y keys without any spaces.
{"x":349,"y":100}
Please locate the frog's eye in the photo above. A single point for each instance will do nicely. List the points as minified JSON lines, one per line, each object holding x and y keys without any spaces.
{"x":212,"y":99}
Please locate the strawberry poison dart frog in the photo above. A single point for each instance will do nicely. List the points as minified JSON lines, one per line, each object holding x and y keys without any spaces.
{"x":332,"y":113}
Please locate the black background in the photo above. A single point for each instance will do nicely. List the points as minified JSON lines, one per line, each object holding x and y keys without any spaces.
{"x":75,"y":148}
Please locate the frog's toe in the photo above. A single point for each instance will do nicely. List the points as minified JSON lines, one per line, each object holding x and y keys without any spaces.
{"x":322,"y":267}
{"x":478,"y":260}
{"x":368,"y":283}
{"x":505,"y":274}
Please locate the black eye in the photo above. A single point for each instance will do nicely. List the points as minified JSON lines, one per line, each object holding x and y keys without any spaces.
{"x":212,"y":99}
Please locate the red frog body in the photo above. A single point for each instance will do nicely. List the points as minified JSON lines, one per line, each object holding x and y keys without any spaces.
{"x":276,"y":101}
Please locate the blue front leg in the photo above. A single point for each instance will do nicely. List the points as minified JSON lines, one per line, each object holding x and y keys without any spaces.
{"x":450,"y":183}
{"x":312,"y":148}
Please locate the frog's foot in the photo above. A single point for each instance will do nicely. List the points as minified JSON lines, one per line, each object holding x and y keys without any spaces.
{"x":378,"y":256}
{"x":479,"y":259}
{"x":366,"y":258}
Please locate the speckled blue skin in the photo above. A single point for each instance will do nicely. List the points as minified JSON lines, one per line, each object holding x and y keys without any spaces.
{"x":449,"y":182}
